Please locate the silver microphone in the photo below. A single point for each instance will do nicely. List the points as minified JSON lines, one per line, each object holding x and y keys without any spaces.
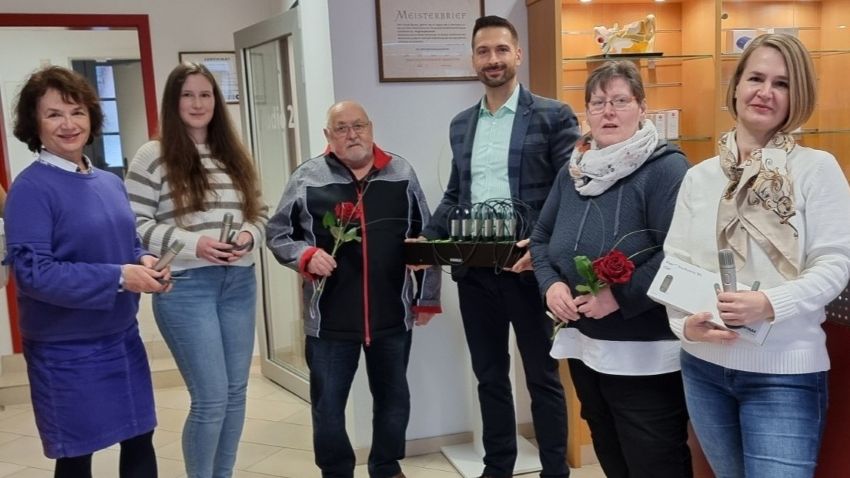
{"x":728,"y":278}
{"x":169,"y":255}
{"x":226,"y":225}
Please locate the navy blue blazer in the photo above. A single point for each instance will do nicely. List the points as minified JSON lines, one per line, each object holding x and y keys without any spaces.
{"x":542,"y":140}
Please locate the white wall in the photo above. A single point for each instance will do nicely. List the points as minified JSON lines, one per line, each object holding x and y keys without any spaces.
{"x":412,"y":119}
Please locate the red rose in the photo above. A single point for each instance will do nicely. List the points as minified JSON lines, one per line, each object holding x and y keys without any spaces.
{"x":614,"y":268}
{"x":347,"y":212}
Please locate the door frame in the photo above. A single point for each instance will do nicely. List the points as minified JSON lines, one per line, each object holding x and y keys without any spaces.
{"x":139,"y":23}
{"x":283,"y":25}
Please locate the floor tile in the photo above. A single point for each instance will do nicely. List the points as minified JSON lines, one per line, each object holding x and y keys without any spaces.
{"x":31,"y":473}
{"x":280,"y":434}
{"x":25,"y":451}
{"x":7,"y":469}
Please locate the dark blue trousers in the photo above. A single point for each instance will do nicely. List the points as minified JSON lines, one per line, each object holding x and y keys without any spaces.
{"x":332,"y":366}
{"x":490,"y":302}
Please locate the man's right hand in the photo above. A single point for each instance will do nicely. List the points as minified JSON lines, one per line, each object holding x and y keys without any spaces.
{"x":321,"y":264}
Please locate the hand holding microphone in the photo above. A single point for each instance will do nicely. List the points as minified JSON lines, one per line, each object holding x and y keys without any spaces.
{"x":739,"y":308}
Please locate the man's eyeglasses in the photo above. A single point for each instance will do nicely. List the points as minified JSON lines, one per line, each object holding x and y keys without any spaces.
{"x":619,"y":103}
{"x":343,"y":129}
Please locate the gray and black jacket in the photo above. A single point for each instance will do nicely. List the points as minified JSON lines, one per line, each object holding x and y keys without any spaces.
{"x":371,"y":293}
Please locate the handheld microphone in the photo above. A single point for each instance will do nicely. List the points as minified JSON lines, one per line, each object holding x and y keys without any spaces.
{"x":226,"y":225}
{"x":169,"y":255}
{"x":728,"y":278}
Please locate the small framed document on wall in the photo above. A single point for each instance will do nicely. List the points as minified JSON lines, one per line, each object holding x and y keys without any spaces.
{"x":222,"y":65}
{"x":426,"y":40}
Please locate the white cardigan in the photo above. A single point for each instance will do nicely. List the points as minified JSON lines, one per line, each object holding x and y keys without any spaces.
{"x":796,"y":342}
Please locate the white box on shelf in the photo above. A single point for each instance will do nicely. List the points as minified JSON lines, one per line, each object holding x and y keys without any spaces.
{"x":691,"y":289}
{"x":738,"y":39}
{"x":671,"y":119}
{"x":793,"y":31}
{"x":660,"y":120}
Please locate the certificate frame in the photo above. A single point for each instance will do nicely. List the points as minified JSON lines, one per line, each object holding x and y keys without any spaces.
{"x":222,"y":65}
{"x":426,"y":40}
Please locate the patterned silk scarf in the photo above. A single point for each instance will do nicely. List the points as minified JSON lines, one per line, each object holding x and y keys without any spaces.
{"x":594,"y":170}
{"x":758,"y":202}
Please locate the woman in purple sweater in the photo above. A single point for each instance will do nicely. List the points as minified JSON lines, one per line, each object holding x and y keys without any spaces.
{"x":79,"y":268}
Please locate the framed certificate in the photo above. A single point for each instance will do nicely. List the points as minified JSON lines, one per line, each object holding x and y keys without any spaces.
{"x":222,"y":65}
{"x":426,"y":40}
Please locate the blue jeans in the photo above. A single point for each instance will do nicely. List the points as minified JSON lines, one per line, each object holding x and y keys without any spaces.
{"x":756,"y":425}
{"x":332,"y":365}
{"x":207,"y":321}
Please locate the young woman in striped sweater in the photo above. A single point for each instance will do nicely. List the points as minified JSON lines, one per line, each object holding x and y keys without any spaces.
{"x":181,"y":188}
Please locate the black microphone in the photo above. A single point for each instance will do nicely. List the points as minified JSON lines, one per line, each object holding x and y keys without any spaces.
{"x":226,"y":225}
{"x":169,"y":255}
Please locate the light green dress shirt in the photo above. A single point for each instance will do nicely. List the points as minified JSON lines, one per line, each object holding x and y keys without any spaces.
{"x":490,"y":151}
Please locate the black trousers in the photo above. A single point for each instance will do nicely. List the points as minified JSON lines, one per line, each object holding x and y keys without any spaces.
{"x":490,"y":302}
{"x":639,"y":425}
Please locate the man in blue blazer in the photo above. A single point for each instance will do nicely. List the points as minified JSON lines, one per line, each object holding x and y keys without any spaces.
{"x":508,"y":146}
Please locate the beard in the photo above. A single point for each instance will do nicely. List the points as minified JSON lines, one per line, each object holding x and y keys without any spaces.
{"x":508,"y":74}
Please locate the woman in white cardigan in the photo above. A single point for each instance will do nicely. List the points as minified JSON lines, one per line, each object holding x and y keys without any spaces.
{"x":759,"y":410}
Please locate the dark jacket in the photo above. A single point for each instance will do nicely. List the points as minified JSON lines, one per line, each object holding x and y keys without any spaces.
{"x":542,"y":139}
{"x":572,"y":225}
{"x":371,"y":293}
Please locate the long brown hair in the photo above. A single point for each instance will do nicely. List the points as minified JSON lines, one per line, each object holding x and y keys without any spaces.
{"x":186,"y":175}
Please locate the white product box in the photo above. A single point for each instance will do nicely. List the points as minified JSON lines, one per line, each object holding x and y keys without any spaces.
{"x":660,"y":120}
{"x":794,"y":32}
{"x":671,"y":117}
{"x":691,"y":289}
{"x":738,"y":39}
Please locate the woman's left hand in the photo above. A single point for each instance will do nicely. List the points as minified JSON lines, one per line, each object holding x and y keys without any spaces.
{"x":243,"y":245}
{"x":597,"y":306}
{"x":744,"y":307}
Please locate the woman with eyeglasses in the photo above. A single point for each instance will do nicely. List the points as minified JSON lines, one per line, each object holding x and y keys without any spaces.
{"x":194,"y":182}
{"x":617,"y":193}
{"x":759,"y":410}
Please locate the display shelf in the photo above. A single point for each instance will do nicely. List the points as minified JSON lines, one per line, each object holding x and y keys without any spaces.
{"x":648,"y":57}
{"x":697,"y":40}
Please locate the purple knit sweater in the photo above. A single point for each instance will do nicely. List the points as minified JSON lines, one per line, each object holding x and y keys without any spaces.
{"x":68,"y":235}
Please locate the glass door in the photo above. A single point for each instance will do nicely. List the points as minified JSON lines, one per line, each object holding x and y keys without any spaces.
{"x":268,"y":54}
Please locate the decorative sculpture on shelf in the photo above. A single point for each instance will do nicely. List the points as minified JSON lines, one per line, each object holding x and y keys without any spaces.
{"x":634,"y":37}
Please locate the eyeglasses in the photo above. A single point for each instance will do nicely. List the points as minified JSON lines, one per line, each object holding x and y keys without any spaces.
{"x":619,"y":103}
{"x":343,"y":129}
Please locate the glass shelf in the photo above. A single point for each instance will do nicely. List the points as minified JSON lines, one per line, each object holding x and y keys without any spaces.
{"x":685,"y":139}
{"x":812,"y":132}
{"x":674,"y":84}
{"x":815,"y":54}
{"x":652,"y":57}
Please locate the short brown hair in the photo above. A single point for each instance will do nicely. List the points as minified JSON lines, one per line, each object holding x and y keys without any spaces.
{"x":802,"y":92}
{"x":73,"y":88}
{"x":601,"y":77}
{"x":493,"y":21}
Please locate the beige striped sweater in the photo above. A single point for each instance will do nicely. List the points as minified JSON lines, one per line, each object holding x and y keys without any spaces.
{"x":150,"y":198}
